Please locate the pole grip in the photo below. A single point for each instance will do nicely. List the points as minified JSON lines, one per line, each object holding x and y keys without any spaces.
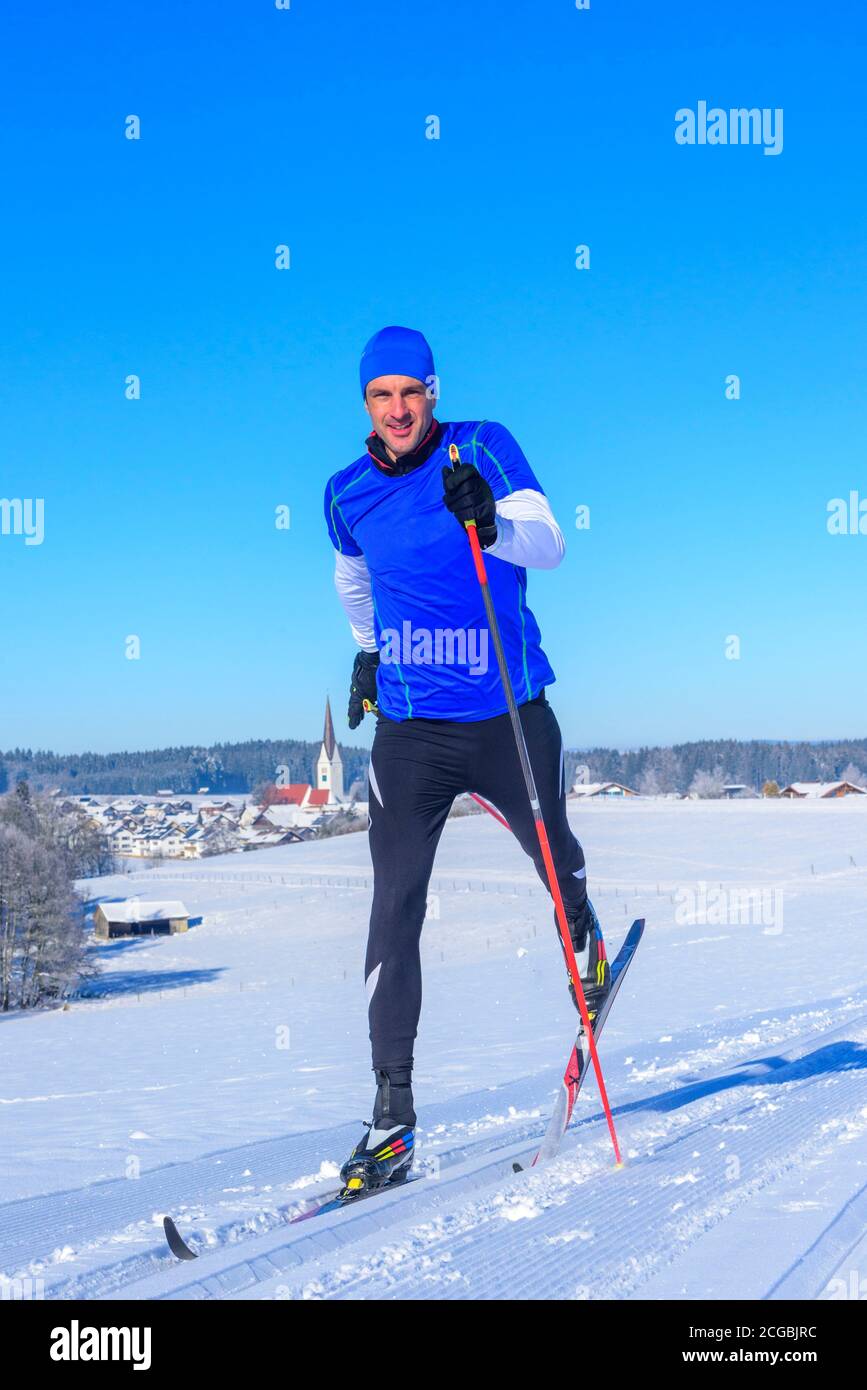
{"x":472,"y":530}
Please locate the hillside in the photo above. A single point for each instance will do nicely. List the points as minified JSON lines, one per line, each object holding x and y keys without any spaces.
{"x":736,"y":1068}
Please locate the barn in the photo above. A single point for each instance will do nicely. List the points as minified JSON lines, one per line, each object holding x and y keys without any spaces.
{"x":136,"y":918}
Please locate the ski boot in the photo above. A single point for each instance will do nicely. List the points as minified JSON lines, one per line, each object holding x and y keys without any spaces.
{"x":591,"y":959}
{"x":383,"y":1157}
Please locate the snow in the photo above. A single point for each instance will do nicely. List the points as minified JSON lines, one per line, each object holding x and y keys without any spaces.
{"x":136,"y":911}
{"x":222,"y":1074}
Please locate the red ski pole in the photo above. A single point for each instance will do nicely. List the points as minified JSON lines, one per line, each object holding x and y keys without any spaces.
{"x":491,"y":810}
{"x":530,"y":781}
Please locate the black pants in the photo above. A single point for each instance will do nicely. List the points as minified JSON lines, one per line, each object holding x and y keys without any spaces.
{"x":417,"y":768}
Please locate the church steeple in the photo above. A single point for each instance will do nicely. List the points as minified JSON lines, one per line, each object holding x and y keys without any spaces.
{"x":328,"y":739}
{"x":329,"y":768}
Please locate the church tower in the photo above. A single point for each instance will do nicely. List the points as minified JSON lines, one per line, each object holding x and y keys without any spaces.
{"x":329,"y":768}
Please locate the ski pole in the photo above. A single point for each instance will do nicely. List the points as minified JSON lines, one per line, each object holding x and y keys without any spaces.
{"x":541,"y":832}
{"x":491,"y":810}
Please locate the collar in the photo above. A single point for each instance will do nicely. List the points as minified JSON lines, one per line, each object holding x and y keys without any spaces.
{"x":420,"y":454}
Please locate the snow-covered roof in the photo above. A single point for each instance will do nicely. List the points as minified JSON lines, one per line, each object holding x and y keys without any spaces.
{"x":133,"y":910}
{"x":820,"y":788}
{"x":280,"y":815}
{"x":261,"y":835}
{"x":601,"y":789}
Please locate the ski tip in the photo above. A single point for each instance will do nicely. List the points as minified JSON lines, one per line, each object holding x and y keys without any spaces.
{"x":619,"y":1165}
{"x":177,"y":1244}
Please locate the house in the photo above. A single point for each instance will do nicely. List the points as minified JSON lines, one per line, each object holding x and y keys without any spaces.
{"x":823,"y":790}
{"x":193,"y":841}
{"x":135,"y":918}
{"x":265,"y":837}
{"x":732,"y":789}
{"x":120,"y":838}
{"x":586,"y":789}
{"x":169,"y":840}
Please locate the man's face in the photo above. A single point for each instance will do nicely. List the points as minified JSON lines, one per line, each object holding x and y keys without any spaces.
{"x":400,"y":411}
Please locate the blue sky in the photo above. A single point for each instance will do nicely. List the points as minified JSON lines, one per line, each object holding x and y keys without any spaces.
{"x":307,"y":127}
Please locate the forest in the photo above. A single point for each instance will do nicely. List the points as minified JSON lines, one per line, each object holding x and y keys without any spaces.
{"x":239,"y":767}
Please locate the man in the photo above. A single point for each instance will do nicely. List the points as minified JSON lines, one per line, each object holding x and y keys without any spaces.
{"x":405,"y":576}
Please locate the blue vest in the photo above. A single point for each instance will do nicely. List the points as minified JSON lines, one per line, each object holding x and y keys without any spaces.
{"x":437,"y":657}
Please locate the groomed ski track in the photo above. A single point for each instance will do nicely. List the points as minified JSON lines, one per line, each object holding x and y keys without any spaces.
{"x":705,"y":1149}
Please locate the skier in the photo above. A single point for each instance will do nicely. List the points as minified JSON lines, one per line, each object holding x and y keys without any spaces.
{"x":425,"y":667}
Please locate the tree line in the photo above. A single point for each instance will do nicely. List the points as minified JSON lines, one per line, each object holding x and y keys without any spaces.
{"x":240,"y":767}
{"x":686,"y":766}
{"x":223,"y":768}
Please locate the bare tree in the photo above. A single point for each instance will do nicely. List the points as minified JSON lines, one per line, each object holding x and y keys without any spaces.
{"x":708,"y":785}
{"x":42,"y":940}
{"x":649,"y":783}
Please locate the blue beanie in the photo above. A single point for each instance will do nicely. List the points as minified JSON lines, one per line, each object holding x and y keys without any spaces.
{"x":396,"y":352}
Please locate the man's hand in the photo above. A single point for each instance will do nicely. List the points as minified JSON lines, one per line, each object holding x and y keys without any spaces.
{"x":469,"y":498}
{"x":362,"y":686}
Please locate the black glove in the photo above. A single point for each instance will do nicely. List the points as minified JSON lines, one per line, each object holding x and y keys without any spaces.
{"x":468,"y":497}
{"x":362,"y":686}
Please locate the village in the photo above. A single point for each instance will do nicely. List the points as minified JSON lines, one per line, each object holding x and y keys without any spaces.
{"x":169,"y":826}
{"x":166,"y":825}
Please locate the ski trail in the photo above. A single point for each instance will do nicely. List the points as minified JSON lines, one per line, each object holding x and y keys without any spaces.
{"x":554,"y":1234}
{"x":658,"y":1131}
{"x":39,"y":1233}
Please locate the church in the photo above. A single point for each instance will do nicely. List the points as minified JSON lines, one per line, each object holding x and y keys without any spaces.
{"x":329,"y":765}
{"x":328,"y":791}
